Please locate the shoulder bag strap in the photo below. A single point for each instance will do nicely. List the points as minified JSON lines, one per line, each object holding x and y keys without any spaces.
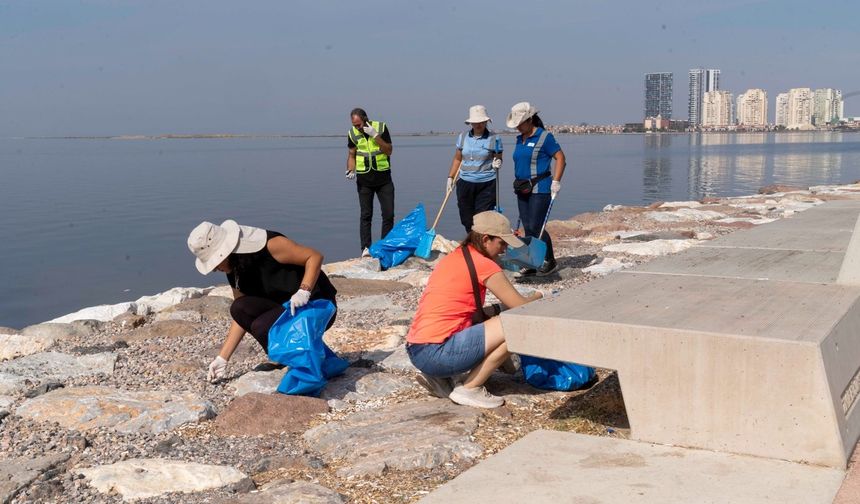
{"x":478,"y":316}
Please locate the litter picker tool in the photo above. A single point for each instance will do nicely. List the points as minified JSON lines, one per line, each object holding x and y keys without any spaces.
{"x":426,"y":244}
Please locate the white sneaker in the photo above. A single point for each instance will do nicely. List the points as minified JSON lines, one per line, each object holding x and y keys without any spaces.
{"x":365,"y":252}
{"x":476,"y":397}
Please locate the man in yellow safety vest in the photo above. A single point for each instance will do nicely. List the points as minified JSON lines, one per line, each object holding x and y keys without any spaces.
{"x":369,"y":163}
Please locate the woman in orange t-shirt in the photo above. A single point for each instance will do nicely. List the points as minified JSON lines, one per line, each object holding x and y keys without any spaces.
{"x":447,"y":337}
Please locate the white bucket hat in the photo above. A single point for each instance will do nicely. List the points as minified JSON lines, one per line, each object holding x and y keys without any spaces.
{"x":477,"y":114}
{"x":212,"y":244}
{"x":519,"y":113}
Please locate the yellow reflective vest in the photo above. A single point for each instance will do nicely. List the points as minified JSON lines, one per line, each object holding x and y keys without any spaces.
{"x":368,"y":155}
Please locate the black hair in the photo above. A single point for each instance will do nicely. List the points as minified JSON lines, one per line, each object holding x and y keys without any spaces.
{"x":537,"y":122}
{"x":360,"y":113}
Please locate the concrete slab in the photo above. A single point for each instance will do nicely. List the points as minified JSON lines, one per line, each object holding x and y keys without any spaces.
{"x":764,"y":264}
{"x":741,"y":347}
{"x":551,"y":467}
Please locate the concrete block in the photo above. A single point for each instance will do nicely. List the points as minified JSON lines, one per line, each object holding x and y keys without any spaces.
{"x":551,"y":467}
{"x":749,"y":349}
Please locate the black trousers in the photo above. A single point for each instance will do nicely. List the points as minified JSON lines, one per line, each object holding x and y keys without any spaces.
{"x":533,"y":209}
{"x":256,"y":315}
{"x":474,"y":198}
{"x":385,"y":195}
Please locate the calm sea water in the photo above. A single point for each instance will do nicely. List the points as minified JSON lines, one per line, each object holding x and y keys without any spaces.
{"x":86,"y":222}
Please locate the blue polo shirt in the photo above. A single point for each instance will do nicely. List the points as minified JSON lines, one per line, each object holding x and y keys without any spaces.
{"x":477,"y":165}
{"x":523,"y":158}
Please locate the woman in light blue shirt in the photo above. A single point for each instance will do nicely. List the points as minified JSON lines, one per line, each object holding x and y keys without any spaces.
{"x":478,"y":157}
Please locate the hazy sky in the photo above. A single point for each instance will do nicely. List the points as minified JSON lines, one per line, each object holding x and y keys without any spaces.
{"x":151,"y":67}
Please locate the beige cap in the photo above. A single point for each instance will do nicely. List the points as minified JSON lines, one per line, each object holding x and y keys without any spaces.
{"x":496,"y":224}
{"x":478,"y":114}
{"x":519,"y":113}
{"x":211,"y":244}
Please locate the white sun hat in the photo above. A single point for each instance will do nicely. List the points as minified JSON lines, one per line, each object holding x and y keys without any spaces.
{"x":477,"y":114}
{"x":211,"y":244}
{"x":519,"y":113}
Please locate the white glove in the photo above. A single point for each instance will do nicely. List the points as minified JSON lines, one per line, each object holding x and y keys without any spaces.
{"x":299,"y":299}
{"x":350,"y":174}
{"x":217,"y":369}
{"x":449,"y":185}
{"x":497,"y":163}
{"x":370,"y":131}
{"x":555,"y":188}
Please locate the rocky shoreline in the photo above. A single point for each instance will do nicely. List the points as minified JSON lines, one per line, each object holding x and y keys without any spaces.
{"x":111,"y":403}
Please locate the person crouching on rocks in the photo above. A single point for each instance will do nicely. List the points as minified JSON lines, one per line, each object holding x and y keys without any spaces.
{"x":266,"y":270}
{"x":452,"y":332}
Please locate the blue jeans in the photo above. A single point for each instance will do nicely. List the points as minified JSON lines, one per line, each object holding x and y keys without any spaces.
{"x":459,"y":353}
{"x":533,"y":209}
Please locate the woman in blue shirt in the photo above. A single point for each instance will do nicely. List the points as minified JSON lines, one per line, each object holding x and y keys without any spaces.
{"x":479,"y":157}
{"x":536,"y":182}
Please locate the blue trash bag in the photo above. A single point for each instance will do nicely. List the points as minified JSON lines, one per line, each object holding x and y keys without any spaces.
{"x":297,"y":342}
{"x":551,"y":374}
{"x":402,"y":240}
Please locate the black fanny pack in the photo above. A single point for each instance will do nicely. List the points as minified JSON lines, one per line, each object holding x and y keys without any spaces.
{"x":525,"y":186}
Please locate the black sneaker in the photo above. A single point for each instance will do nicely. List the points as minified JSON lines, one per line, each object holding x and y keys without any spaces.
{"x":547,"y":268}
{"x":526,"y":272}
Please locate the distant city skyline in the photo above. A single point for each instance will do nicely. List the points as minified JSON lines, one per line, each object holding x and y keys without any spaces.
{"x":122,"y":68}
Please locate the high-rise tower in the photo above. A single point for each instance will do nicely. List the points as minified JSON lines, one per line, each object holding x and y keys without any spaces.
{"x":658,"y":95}
{"x":701,"y":81}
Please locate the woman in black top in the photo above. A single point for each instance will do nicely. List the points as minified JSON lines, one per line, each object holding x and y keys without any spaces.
{"x":266,"y":270}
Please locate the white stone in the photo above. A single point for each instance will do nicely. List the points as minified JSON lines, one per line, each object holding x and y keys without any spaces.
{"x":606,"y":266}
{"x":176,"y":295}
{"x":6,"y":401}
{"x":51,"y":366}
{"x":681,"y":204}
{"x":684,"y":214}
{"x":143,"y":478}
{"x":101,"y":313}
{"x":222,"y":291}
{"x":704,"y":235}
{"x":610,"y":207}
{"x":264,"y":382}
{"x":651,"y":248}
{"x":444,"y":245}
{"x":366,"y":268}
{"x":92,"y":407}
{"x":17,"y":345}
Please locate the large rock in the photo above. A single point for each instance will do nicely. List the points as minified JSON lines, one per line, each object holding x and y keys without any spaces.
{"x":36,"y":369}
{"x":367,"y":268}
{"x":101,"y":313}
{"x":363,"y":287}
{"x":606,"y":266}
{"x":358,"y":384}
{"x":57,"y":331}
{"x":651,"y":248}
{"x":684,"y":214}
{"x":364,"y":303}
{"x":17,"y":345}
{"x":162,"y":329}
{"x":83,"y":408}
{"x":400,"y":437}
{"x":296,"y":492}
{"x":143,"y":478}
{"x":17,"y":473}
{"x":396,"y":360}
{"x":256,"y":414}
{"x":264,"y":382}
{"x":158,"y":302}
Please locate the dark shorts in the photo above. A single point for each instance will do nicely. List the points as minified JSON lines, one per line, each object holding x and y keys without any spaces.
{"x":458,"y":354}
